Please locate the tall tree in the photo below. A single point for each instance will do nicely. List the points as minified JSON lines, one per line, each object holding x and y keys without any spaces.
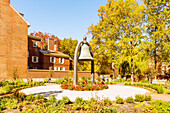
{"x":118,"y":34}
{"x":68,"y":46}
{"x":45,"y":37}
{"x":158,"y":28}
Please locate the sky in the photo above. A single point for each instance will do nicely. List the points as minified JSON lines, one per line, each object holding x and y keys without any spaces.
{"x":62,"y":18}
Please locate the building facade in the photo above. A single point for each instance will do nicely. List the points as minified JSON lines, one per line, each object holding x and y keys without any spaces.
{"x":13,"y":41}
{"x":40,"y":58}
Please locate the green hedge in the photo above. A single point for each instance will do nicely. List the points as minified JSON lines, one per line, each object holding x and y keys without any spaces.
{"x":156,"y":87}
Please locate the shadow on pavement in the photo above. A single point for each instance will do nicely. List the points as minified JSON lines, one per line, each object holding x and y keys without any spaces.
{"x":47,"y":94}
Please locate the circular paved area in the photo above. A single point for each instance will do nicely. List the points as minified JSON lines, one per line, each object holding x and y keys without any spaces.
{"x":111,"y":93}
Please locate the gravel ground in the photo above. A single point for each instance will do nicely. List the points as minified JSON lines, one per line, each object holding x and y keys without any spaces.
{"x":111,"y":92}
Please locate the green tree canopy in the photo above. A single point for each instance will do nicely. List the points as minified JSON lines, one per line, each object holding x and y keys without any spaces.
{"x":68,"y":46}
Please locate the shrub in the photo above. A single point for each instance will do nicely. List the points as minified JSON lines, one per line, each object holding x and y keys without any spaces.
{"x":78,"y":103}
{"x":160,"y":89}
{"x":119,"y":100}
{"x":2,"y":107}
{"x":147,"y":97}
{"x":130,"y":100}
{"x":157,"y":106}
{"x":30,"y":98}
{"x":79,"y":100}
{"x":107,"y":101}
{"x":12,"y":103}
{"x":37,"y":97}
{"x":66,"y":100}
{"x":167,"y":91}
{"x":52,"y":98}
{"x":139,"y":98}
{"x":21,"y":96}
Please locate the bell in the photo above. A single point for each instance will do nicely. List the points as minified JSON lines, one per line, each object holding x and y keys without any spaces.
{"x":85,"y":54}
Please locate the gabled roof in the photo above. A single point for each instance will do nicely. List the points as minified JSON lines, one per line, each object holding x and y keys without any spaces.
{"x":34,"y":37}
{"x":54,"y":53}
{"x":20,"y":15}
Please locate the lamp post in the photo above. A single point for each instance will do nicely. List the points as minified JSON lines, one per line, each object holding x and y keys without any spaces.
{"x":86,"y":54}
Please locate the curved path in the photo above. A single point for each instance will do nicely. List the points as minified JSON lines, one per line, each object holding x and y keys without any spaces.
{"x":111,"y":92}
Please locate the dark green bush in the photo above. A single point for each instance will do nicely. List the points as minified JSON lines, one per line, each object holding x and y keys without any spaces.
{"x":79,"y":100}
{"x":65,"y":100}
{"x":37,"y":97}
{"x":147,"y":97}
{"x":119,"y":100}
{"x":139,"y":98}
{"x":30,"y":98}
{"x":160,"y":89}
{"x":107,"y":101}
{"x":52,"y":98}
{"x":130,"y":100}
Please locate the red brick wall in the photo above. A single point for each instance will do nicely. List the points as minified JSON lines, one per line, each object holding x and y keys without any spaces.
{"x":56,"y":74}
{"x":5,"y":2}
{"x":34,"y":51}
{"x":13,"y":41}
{"x":47,"y":63}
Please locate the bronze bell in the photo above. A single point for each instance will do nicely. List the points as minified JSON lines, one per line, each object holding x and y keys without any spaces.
{"x":85,"y":54}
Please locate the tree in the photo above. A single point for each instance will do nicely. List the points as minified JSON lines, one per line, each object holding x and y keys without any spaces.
{"x":68,"y":46}
{"x":118,"y":34}
{"x":158,"y":29}
{"x":45,"y":37}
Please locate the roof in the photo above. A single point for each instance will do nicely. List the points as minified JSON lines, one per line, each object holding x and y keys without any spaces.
{"x":34,"y":37}
{"x":20,"y":15}
{"x":54,"y":53}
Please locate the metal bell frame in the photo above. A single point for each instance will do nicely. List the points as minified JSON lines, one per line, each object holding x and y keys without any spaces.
{"x":76,"y":58}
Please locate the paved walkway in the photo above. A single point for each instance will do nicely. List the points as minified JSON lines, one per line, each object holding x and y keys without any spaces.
{"x":161,"y":97}
{"x":111,"y":93}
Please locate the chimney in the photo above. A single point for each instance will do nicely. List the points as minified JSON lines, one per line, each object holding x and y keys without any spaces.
{"x":50,"y":44}
{"x":5,"y":2}
{"x":55,"y":47}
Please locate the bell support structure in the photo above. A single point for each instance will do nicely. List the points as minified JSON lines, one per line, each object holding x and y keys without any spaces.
{"x":90,"y":59}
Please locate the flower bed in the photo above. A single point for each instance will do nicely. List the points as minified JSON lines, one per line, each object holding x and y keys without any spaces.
{"x":84,"y":86}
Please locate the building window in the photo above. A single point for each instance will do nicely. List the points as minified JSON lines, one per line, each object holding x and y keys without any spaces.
{"x":55,"y":68}
{"x":34,"y":59}
{"x":53,"y":59}
{"x":61,"y":60}
{"x":61,"y":68}
{"x":34,"y":44}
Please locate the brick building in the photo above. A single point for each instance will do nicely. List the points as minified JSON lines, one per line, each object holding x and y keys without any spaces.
{"x":40,"y":58}
{"x":13,"y":40}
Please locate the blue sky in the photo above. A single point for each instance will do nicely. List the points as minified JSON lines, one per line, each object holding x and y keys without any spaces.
{"x":63,"y":18}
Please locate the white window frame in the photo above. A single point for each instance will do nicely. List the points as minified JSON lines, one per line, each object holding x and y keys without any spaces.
{"x":34,"y":44}
{"x":55,"y":68}
{"x":61,"y":60}
{"x":51,"y":59}
{"x":61,"y":68}
{"x":36,"y":59}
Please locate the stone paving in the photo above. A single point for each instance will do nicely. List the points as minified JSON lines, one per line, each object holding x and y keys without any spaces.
{"x":111,"y":92}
